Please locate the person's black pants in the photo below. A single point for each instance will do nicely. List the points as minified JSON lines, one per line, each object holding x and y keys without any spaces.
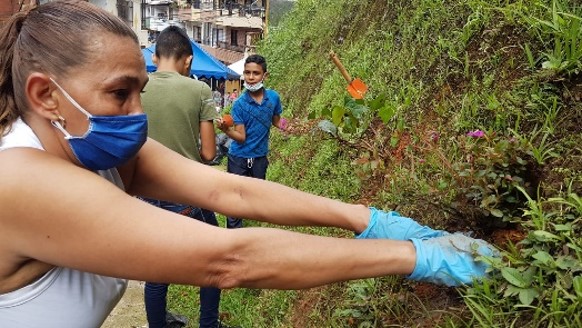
{"x":250,"y":167}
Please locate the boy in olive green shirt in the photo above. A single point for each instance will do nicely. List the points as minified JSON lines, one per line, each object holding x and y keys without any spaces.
{"x":181,"y":112}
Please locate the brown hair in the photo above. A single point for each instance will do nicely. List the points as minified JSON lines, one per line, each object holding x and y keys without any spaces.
{"x":52,"y":38}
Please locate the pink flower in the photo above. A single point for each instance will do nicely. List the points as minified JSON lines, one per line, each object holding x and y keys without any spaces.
{"x":283,"y":123}
{"x":476,"y":134}
{"x":434,"y":136}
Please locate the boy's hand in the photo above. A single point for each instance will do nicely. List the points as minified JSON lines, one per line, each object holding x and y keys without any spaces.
{"x":224,"y":123}
{"x":283,"y":124}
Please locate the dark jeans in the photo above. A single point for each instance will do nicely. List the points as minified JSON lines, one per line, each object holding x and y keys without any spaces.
{"x":250,"y":167}
{"x":155,"y":293}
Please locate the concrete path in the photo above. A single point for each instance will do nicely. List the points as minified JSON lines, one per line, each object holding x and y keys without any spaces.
{"x":129,"y":312}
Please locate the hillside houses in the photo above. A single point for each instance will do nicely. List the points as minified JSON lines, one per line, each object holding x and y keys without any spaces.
{"x":226,"y":29}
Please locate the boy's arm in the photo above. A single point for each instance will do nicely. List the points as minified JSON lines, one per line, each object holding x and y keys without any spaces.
{"x":207,"y":141}
{"x":236,"y":133}
{"x":276,"y":121}
{"x":207,"y":116}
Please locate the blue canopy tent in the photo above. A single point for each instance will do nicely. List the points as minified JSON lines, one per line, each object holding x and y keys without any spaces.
{"x":203,"y":64}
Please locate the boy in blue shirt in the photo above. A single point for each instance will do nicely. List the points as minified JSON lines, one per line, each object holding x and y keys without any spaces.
{"x":253,"y":114}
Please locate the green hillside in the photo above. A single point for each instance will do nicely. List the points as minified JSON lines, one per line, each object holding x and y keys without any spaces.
{"x":472,"y":122}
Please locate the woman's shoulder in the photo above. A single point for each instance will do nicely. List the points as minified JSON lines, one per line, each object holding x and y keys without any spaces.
{"x":26,"y":171}
{"x":35,"y":179}
{"x":16,"y":154}
{"x":27,"y":165}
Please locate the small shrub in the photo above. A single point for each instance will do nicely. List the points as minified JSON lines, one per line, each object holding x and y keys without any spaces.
{"x":493,"y":168}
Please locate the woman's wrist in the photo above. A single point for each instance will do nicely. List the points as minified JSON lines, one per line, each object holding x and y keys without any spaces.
{"x":359,"y":218}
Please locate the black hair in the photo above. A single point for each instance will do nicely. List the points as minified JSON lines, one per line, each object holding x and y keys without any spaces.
{"x":257,"y":59}
{"x":173,"y":43}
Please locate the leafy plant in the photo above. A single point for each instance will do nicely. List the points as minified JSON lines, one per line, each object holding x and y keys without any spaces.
{"x":359,"y":306}
{"x":562,"y":35}
{"x":541,"y":150}
{"x":494,"y":167}
{"x":353,"y":117}
{"x":540,"y":281}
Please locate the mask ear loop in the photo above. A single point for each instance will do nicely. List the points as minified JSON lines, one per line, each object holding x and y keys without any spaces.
{"x":76,"y":104}
{"x":60,"y":124}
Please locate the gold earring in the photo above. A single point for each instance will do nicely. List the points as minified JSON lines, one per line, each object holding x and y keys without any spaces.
{"x":61,"y":120}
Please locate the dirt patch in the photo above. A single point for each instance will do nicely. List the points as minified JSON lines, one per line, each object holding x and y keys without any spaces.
{"x":130,"y":311}
{"x":306,"y":302}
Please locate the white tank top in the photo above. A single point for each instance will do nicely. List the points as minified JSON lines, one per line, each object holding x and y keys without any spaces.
{"x":63,"y":297}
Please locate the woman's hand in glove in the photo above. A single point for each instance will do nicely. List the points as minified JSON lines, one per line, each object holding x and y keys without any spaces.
{"x":450,"y":260}
{"x":390,"y":225}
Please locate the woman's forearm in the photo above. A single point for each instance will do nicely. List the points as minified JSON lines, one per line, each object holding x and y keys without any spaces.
{"x":272,"y":258}
{"x":275,"y":203}
{"x":238,"y":196}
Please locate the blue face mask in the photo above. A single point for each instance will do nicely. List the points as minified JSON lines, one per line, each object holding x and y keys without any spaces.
{"x":110,"y":140}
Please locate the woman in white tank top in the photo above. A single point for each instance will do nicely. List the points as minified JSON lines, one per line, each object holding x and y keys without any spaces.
{"x":74,"y":152}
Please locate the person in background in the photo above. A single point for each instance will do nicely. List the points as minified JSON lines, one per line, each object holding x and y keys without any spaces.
{"x":253,"y":114}
{"x":226,"y":100}
{"x":233,"y":96}
{"x":75,"y":154}
{"x":180,"y":112}
{"x":217,"y":97}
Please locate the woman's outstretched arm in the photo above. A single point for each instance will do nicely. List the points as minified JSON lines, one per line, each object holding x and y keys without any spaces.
{"x":162,"y":174}
{"x":62,"y":215}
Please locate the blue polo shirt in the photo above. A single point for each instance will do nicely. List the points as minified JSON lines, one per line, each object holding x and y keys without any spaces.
{"x":257,"y":119}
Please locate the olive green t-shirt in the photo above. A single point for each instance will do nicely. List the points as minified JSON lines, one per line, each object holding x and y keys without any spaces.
{"x":175,"y":106}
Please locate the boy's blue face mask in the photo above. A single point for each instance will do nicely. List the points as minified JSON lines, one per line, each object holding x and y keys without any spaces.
{"x":109,"y":141}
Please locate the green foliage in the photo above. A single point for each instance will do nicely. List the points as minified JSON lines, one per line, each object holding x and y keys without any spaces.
{"x":353,"y":117}
{"x":440,"y":67}
{"x":493,"y":170}
{"x":278,"y":11}
{"x":319,"y":173}
{"x":350,"y":117}
{"x":326,"y":168}
{"x":359,"y":306}
{"x":244,"y":304}
{"x":381,"y":302}
{"x":561,"y":34}
{"x":538,"y":283}
{"x":286,"y":165}
{"x":372,"y":38}
{"x":542,"y":150}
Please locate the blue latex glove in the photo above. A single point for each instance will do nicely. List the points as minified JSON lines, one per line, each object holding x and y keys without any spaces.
{"x":390,"y":225}
{"x":449,"y":260}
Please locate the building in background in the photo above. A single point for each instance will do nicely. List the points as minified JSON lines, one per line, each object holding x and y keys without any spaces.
{"x":156,"y":15}
{"x":135,"y":13}
{"x":227,"y":29}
